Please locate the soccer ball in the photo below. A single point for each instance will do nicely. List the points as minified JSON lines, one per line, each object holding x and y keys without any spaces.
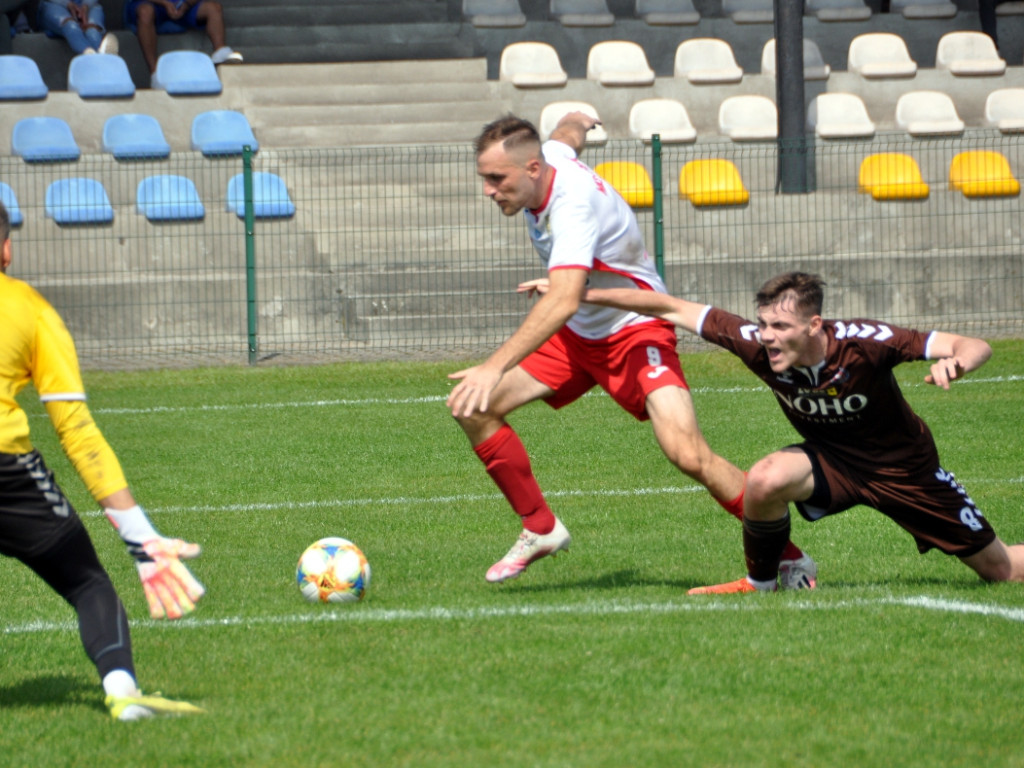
{"x":333,"y":570}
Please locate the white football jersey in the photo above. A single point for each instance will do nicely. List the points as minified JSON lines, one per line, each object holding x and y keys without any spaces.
{"x":585,"y":224}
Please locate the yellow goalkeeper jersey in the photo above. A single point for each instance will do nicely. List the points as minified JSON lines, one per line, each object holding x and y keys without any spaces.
{"x":35,"y":346}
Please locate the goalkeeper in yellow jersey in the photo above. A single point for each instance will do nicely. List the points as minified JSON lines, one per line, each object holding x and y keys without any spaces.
{"x":38,"y":525}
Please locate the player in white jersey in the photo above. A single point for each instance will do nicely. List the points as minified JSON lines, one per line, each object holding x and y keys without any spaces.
{"x":585,"y":234}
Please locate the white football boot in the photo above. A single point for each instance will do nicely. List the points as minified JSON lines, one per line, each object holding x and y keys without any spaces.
{"x":529,"y":546}
{"x":801,"y":573}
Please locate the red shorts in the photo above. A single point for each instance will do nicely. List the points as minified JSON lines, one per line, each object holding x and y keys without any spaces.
{"x":628,"y":365}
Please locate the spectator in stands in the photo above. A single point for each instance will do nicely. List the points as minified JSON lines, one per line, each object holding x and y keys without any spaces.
{"x":80,"y":22}
{"x":9,"y":12}
{"x":148,"y":18}
{"x":987,"y":17}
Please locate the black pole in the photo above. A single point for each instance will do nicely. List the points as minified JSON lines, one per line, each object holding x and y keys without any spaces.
{"x":789,"y":95}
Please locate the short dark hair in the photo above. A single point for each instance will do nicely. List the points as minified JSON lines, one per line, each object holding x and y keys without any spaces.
{"x":806,"y":289}
{"x":510,"y":130}
{"x":5,"y":223}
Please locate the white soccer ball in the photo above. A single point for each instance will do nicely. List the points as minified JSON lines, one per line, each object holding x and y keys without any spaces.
{"x":333,"y":570}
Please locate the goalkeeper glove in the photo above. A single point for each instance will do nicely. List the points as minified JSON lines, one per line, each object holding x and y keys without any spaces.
{"x":171,"y":589}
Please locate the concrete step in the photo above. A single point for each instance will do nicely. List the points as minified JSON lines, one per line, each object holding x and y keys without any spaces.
{"x":314,"y":77}
{"x":311,"y":15}
{"x":409,"y":132}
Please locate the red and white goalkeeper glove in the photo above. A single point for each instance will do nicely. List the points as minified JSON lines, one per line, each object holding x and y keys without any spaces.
{"x":171,"y":589}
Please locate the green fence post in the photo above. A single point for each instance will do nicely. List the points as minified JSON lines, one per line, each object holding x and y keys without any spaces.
{"x":250,"y":253}
{"x":659,"y":219}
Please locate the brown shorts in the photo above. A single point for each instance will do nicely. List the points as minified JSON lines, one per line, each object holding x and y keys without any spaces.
{"x":932,"y":507}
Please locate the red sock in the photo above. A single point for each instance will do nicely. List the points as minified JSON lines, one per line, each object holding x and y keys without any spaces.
{"x":507,"y":463}
{"x":735,"y":508}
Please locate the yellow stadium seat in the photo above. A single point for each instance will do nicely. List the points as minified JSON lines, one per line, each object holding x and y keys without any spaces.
{"x":982,"y":173}
{"x":630,"y":180}
{"x":712,"y":182}
{"x":891,"y":176}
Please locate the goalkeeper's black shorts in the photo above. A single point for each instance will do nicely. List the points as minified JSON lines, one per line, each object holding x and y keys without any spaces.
{"x":34,"y":513}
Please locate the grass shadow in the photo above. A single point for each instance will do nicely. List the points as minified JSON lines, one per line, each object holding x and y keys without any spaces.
{"x":47,"y":690}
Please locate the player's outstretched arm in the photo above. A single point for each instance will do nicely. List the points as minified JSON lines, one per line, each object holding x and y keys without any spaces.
{"x":955,"y":356}
{"x":171,"y":589}
{"x":685,"y":314}
{"x":559,"y":302}
{"x":572,"y":130}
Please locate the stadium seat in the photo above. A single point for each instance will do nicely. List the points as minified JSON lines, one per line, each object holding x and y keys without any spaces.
{"x":880,"y":55}
{"x":706,"y":60}
{"x":666,"y":117}
{"x":923,"y":9}
{"x":186,"y":73}
{"x":630,"y":180}
{"x":531,"y":65}
{"x":928,"y":113}
{"x":100,"y":76}
{"x":556,"y":110}
{"x":20,"y":79}
{"x":749,"y":11}
{"x":619,"y":62}
{"x":78,"y":200}
{"x":1004,"y":109}
{"x":968,"y":54}
{"x":1010,"y":8}
{"x":222,"y":132}
{"x":815,"y":67}
{"x":582,"y":13}
{"x":10,"y":201}
{"x":667,"y":12}
{"x":839,"y":116}
{"x":270,"y":198}
{"x":891,"y":176}
{"x":838,"y":10}
{"x":44,"y":140}
{"x":748,"y":117}
{"x":168,"y":198}
{"x":493,"y":13}
{"x":983,"y":173}
{"x":132,"y":136}
{"x":709,"y":182}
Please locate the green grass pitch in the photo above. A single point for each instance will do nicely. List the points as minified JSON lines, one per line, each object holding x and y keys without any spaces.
{"x":595,"y":658}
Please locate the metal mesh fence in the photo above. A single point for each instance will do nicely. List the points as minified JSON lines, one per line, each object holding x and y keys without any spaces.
{"x":393,"y":252}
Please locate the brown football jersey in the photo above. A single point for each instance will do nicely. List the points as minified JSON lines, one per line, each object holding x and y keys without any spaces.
{"x":850,"y":405}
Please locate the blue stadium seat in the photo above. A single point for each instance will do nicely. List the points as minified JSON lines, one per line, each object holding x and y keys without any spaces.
{"x":44,"y":139}
{"x":222,"y":132}
{"x":78,"y":200}
{"x":135,"y":137}
{"x":168,"y":198}
{"x":10,"y":201}
{"x":20,"y":78}
{"x":100,"y":76}
{"x":270,"y":197}
{"x":186,"y":73}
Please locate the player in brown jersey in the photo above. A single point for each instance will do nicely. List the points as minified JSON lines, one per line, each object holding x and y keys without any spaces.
{"x":39,"y":526}
{"x":863,"y":444}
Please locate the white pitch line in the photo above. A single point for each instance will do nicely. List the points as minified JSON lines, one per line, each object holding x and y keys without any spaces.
{"x":464,"y":498}
{"x":334,"y":403}
{"x":358,"y":615}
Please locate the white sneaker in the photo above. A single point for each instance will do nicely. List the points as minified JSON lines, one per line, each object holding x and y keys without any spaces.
{"x":798,"y":574}
{"x":226,"y":55}
{"x":529,"y":546}
{"x":109,"y":44}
